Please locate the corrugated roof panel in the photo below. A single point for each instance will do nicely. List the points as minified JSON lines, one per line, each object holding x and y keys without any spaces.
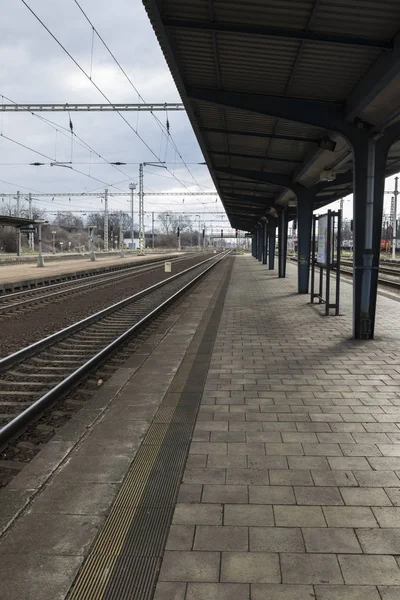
{"x":255,"y":64}
{"x":282,"y":13}
{"x":196,"y":56}
{"x":193,"y":9}
{"x":367,"y":18}
{"x":329,"y":72}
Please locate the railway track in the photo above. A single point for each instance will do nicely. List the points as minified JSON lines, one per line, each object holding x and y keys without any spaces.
{"x":35,"y":377}
{"x":393,"y":271}
{"x":15,"y":301}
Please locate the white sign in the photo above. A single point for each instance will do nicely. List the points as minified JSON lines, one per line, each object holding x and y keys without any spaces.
{"x":322,"y":241}
{"x":168,"y":267}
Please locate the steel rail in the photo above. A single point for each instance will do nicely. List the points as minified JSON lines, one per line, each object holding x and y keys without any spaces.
{"x":106,"y":278}
{"x":14,"y":427}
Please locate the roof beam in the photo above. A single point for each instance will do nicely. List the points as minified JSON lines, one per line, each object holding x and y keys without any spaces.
{"x":380,"y":75}
{"x":247,"y":198}
{"x":274,"y":136}
{"x":255,"y":156}
{"x":279,"y":32}
{"x":261,"y":176}
{"x":328,"y":115}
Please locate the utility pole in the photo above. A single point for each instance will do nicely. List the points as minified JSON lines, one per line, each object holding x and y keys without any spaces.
{"x":141,"y":212}
{"x":142,"y":241}
{"x":394,"y":226}
{"x":53,"y":233}
{"x":204,"y":237}
{"x":152,"y":230}
{"x":106,"y":220}
{"x":31,"y":241}
{"x":19,"y":230}
{"x":121,"y":236}
{"x":40,"y":261}
{"x":198,"y":234}
{"x":132,"y":187}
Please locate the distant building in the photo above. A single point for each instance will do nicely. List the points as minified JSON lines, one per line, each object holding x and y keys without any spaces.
{"x":128,"y":243}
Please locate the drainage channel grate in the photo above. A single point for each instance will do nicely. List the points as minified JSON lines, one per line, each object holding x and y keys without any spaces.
{"x":125,"y":559}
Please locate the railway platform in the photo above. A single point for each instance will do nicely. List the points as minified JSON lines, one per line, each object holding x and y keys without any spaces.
{"x":25,"y":275}
{"x":249,"y":451}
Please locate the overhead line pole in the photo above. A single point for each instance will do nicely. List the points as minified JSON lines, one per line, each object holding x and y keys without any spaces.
{"x":105,"y":220}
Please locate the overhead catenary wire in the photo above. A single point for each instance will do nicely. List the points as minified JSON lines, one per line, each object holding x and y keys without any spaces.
{"x":66,"y":132}
{"x":165,"y":127}
{"x":95,"y":85}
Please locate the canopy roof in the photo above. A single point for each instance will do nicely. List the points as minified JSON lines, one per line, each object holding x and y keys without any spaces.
{"x":254,"y":77}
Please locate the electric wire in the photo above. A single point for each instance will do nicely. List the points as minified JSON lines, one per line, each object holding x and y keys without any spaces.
{"x":161,"y":125}
{"x":97,"y":87}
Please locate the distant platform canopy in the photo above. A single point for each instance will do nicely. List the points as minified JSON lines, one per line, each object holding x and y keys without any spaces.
{"x":5,"y":220}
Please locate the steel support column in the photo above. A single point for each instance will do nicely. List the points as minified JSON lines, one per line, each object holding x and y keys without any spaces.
{"x":264,"y":236}
{"x":260,"y":244}
{"x":271,"y":245}
{"x":369,"y":181}
{"x":253,"y":245}
{"x":282,"y":243}
{"x":304,"y":226}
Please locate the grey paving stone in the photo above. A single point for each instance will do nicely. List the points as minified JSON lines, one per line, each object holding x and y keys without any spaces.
{"x":250,"y":567}
{"x":318,"y":495}
{"x":190,"y":566}
{"x":190,"y":493}
{"x":349,"y":516}
{"x":228,"y":436}
{"x":310,"y":568}
{"x":350,"y":463}
{"x":394,"y":495}
{"x":267,"y":462}
{"x":170,"y":591}
{"x":276,"y":539}
{"x":75,"y":499}
{"x":208,"y":448}
{"x":389,"y":592}
{"x":299,"y":516}
{"x":284,"y":449}
{"x":367,"y":570}
{"x":330,"y":539}
{"x":376,"y":479}
{"x":247,"y":477}
{"x":335,"y":478}
{"x":203,"y":475}
{"x":289,"y":477}
{"x":44,"y":577}
{"x":256,"y":448}
{"x":307,"y":462}
{"x":217,"y":591}
{"x":271,"y":591}
{"x":322,"y":449}
{"x":387,"y":517}
{"x":346,"y":592}
{"x":227,"y":461}
{"x":197,"y":514}
{"x":363,"y":496}
{"x":246,"y":515}
{"x":274,"y":494}
{"x":379,"y":541}
{"x":225,"y":494}
{"x":51,"y":535}
{"x":180,"y":537}
{"x":221,"y":538}
{"x":196,"y":461}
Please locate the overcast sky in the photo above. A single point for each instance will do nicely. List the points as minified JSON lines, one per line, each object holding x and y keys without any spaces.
{"x":35,"y":69}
